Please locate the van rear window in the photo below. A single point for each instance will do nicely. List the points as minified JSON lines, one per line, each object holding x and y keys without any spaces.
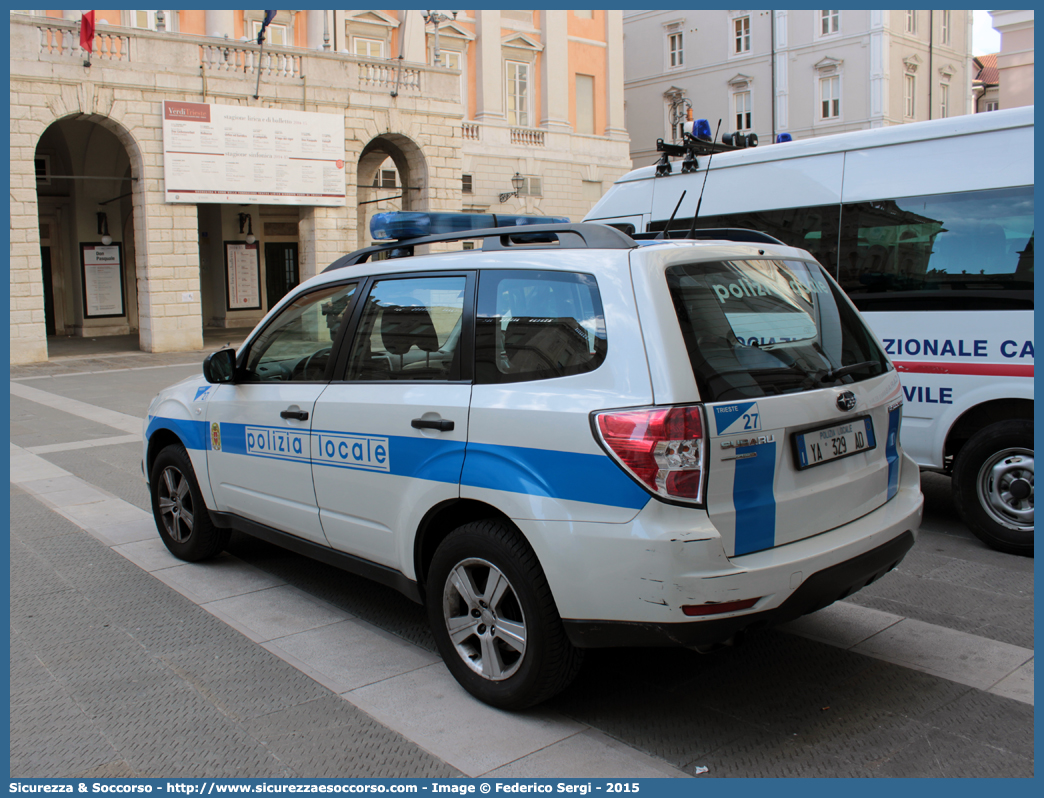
{"x":757,"y":328}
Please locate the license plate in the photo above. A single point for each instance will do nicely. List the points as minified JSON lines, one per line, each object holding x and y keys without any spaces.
{"x":817,"y":446}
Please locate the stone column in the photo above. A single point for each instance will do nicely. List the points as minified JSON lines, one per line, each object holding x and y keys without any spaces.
{"x":166,"y":242}
{"x":220,"y":23}
{"x":314,"y":29}
{"x":28,"y":325}
{"x":489,"y":83}
{"x":555,"y":75}
{"x":615,"y":124}
{"x":323,"y":233}
{"x":412,"y":42}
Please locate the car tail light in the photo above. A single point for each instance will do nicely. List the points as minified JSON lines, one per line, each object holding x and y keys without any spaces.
{"x":661,"y":447}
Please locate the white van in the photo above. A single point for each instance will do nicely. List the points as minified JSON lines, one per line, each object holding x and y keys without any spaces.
{"x":929,"y":229}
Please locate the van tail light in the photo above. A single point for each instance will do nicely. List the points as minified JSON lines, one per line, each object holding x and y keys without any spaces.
{"x":661,"y":447}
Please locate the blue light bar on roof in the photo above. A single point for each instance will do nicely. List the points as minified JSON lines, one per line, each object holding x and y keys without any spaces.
{"x":399,"y":225}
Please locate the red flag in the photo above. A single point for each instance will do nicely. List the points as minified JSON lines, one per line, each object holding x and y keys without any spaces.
{"x":87,"y":31}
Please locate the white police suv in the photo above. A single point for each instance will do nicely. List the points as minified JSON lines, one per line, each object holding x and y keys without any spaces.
{"x":563,"y":439}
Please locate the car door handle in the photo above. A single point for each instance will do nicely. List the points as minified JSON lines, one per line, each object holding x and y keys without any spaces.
{"x":300,"y":415}
{"x":441,"y":425}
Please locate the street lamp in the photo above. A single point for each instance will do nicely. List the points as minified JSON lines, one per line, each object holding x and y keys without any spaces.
{"x":516,"y":182}
{"x":245,"y":218}
{"x":436,"y":18}
{"x":103,"y":228}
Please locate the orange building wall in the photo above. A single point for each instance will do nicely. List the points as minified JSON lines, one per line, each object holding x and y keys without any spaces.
{"x":586,"y":59}
{"x":194,"y":22}
{"x":593,"y":28}
{"x":112,"y":17}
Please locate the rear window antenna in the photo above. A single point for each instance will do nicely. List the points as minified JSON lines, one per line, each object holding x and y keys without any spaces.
{"x":692,"y":227}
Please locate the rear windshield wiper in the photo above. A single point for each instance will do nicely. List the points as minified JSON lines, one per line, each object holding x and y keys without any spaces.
{"x":836,"y":374}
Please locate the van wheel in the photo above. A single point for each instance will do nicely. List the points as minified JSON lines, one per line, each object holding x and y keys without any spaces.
{"x":993,"y":486}
{"x":177,"y":505}
{"x":494,"y":618}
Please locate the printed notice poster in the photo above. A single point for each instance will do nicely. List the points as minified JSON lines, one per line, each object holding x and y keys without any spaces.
{"x":243,"y":276}
{"x":243,"y":155}
{"x":102,"y":273}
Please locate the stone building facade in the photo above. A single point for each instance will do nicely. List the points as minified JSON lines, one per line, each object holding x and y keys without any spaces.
{"x":87,"y":156}
{"x":802,"y":72}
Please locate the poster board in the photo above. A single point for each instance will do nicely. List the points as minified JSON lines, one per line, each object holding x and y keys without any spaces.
{"x":242,"y":276}
{"x":247,"y":155}
{"x":101,"y":273}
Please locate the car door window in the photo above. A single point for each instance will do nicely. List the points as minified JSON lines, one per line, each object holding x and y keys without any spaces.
{"x":409,"y":330}
{"x":537,"y":325}
{"x":296,"y":345}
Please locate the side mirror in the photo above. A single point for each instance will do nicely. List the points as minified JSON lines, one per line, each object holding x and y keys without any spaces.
{"x":220,"y":366}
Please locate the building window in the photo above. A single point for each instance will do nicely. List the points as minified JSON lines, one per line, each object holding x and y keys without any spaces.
{"x":368,"y":48}
{"x":993,"y":105}
{"x":829,"y":22}
{"x":531,"y":187}
{"x":675,"y":50}
{"x":147,"y":20}
{"x":468,"y":245}
{"x":466,"y":184}
{"x":830,"y":97}
{"x":585,"y":104}
{"x":274,"y":34}
{"x":946,"y":27}
{"x":911,"y":22}
{"x":741,"y":35}
{"x":741,"y":104}
{"x":909,"y":95}
{"x":518,"y":93}
{"x":385,"y":178}
{"x":944,"y":100}
{"x":43,"y":169}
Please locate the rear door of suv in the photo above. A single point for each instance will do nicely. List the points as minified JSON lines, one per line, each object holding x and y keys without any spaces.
{"x":388,"y":434}
{"x":802,"y":407}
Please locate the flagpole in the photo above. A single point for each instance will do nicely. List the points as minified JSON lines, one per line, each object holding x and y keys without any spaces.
{"x":260,"y":52}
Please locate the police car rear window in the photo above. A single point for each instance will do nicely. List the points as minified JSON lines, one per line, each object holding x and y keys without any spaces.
{"x":763,"y":327}
{"x":537,"y":325}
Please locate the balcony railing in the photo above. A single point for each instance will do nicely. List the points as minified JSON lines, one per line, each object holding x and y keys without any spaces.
{"x":527,"y":137}
{"x":59,"y":41}
{"x":64,"y":40}
{"x":248,"y":60}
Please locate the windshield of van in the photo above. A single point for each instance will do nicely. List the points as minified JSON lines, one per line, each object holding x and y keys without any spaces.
{"x":757,"y":328}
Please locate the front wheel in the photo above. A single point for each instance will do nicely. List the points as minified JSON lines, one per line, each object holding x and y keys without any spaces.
{"x":177,"y":505}
{"x":993,"y":486}
{"x":494,"y":619}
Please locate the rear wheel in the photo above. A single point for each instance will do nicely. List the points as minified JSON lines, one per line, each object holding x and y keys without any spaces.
{"x":494,"y":619}
{"x":993,"y":486}
{"x":177,"y":505}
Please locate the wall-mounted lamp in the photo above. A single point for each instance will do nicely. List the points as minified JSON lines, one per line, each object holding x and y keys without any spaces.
{"x":244,"y":218}
{"x":516,"y":183}
{"x":103,"y":228}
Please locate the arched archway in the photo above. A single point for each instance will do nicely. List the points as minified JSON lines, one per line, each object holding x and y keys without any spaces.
{"x":87,"y":196}
{"x":375,"y":193}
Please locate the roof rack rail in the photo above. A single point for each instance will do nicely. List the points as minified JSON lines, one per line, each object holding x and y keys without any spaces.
{"x":740,"y":234}
{"x":580,"y":235}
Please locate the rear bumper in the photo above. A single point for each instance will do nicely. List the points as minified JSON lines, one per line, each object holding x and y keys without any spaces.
{"x":817,"y":591}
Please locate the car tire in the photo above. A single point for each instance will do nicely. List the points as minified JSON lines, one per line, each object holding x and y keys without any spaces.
{"x":180,"y":512}
{"x":993,"y":486}
{"x":507,"y":646}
